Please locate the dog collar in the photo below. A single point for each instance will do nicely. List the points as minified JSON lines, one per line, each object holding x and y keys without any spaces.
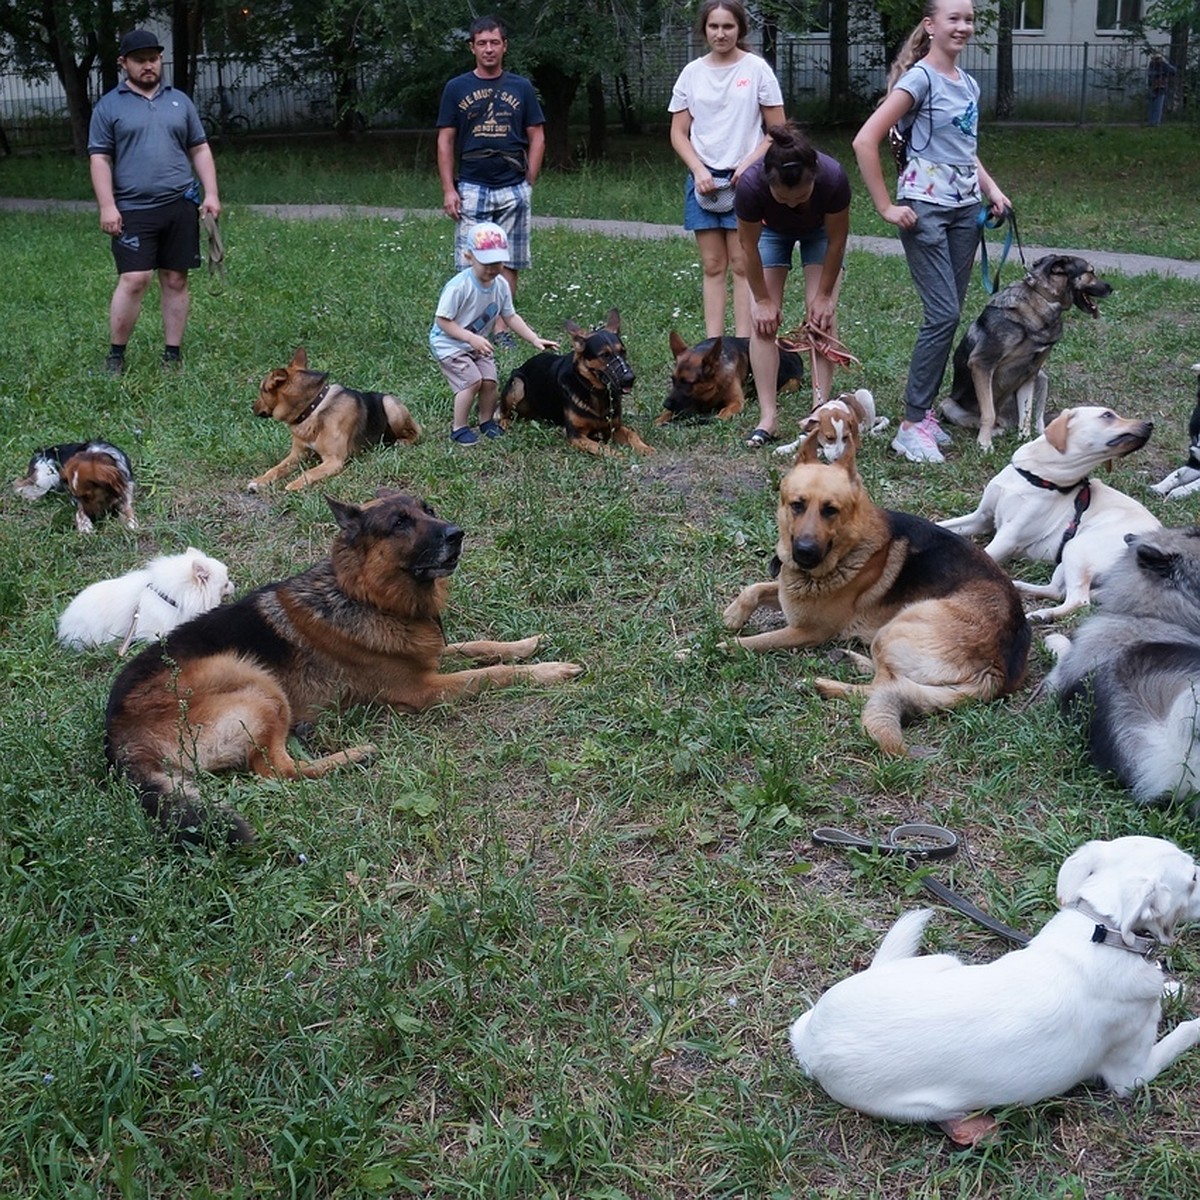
{"x":1038,"y":481}
{"x":163,"y":596}
{"x":1140,"y":944}
{"x":312,"y":408}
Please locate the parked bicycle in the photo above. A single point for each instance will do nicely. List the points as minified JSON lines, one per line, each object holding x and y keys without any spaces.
{"x":220,"y":117}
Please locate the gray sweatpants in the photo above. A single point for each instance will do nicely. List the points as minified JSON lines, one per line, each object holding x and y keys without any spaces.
{"x":941,"y":252}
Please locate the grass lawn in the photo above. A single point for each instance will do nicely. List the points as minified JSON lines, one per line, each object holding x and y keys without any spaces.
{"x":549,"y":943}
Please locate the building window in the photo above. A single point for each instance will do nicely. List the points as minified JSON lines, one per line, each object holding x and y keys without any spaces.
{"x":1114,"y":15}
{"x":1031,"y":16}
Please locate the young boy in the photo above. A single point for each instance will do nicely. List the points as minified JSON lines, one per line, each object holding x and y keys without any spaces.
{"x":466,"y":313}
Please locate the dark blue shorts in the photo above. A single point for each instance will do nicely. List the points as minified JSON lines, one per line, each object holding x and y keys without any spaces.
{"x":150,"y":238}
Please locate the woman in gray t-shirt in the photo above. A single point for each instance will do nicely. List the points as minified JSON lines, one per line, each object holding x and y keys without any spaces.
{"x":938,"y":197}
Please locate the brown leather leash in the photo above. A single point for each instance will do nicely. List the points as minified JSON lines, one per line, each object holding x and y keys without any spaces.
{"x":918,"y":842}
{"x":804,"y":338}
{"x":216,"y":254}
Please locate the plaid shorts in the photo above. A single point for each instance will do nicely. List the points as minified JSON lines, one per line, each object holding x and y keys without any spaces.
{"x":509,"y":207}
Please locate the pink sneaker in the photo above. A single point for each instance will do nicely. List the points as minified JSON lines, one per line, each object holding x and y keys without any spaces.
{"x":931,"y":428}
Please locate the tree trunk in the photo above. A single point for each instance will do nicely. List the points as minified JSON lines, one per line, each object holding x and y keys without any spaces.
{"x":597,"y":119}
{"x":770,"y":39}
{"x":1005,"y":88}
{"x":1177,"y":56}
{"x":839,"y":58}
{"x":72,"y":75}
{"x":183,"y":60}
{"x":557,"y":90}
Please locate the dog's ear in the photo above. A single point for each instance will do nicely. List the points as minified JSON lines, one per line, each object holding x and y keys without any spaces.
{"x":1150,"y":906}
{"x":1076,"y":871}
{"x":299,"y":359}
{"x":849,"y":458}
{"x":613,"y":322}
{"x":275,"y":379}
{"x":807,"y":453}
{"x":578,"y":335}
{"x":347,"y":516}
{"x":1056,"y":431}
{"x":678,"y":345}
{"x":713,"y":355}
{"x":200,"y":572}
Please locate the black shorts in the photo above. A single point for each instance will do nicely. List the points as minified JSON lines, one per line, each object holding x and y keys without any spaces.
{"x":167,"y":236}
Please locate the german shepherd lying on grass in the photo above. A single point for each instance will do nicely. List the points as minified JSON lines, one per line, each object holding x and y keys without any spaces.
{"x":943,"y":622}
{"x":709,"y":378}
{"x":364,"y":625}
{"x":582,"y":390}
{"x":326,"y":419}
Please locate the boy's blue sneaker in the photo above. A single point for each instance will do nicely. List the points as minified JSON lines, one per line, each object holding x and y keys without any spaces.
{"x":504,"y":340}
{"x":492,"y":429}
{"x":465,"y":436}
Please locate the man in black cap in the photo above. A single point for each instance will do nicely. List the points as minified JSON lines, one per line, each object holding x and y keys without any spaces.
{"x":144,"y":143}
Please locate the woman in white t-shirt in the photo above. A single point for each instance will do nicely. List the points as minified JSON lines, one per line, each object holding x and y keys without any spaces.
{"x":721,"y":105}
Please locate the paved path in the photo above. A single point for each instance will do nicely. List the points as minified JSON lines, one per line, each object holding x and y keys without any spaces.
{"x":1125,"y":264}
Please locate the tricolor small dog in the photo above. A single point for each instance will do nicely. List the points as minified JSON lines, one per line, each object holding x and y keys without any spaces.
{"x":96,"y":475}
{"x":838,"y":424}
{"x":928,"y":1038}
{"x":147,"y":603}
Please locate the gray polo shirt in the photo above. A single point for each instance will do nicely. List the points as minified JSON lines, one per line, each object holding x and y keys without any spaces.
{"x":148,"y":141}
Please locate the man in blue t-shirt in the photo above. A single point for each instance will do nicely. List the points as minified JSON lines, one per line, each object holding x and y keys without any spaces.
{"x":491,"y":140}
{"x":144,"y":142}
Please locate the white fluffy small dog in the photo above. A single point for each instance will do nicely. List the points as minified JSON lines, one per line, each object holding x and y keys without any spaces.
{"x":145,"y":603}
{"x":927,"y":1038}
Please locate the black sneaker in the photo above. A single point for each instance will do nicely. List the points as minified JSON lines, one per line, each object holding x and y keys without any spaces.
{"x":114,"y":364}
{"x":172,"y":362}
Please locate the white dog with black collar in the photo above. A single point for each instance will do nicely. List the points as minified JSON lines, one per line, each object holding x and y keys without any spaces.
{"x":929,"y":1038}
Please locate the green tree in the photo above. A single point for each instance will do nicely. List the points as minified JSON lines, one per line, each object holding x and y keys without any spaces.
{"x":68,"y":37}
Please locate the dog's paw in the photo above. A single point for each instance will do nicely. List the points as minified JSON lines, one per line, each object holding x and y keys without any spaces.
{"x":252,"y":486}
{"x":525,"y":647}
{"x":735,"y":615}
{"x":555,"y":672}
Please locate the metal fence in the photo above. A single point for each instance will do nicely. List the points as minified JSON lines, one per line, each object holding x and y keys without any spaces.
{"x":1084,"y":83}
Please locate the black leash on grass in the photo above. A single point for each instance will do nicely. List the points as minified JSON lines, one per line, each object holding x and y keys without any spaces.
{"x":922,"y":843}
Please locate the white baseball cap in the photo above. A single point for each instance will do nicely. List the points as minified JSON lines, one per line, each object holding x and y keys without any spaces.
{"x":488,"y":243}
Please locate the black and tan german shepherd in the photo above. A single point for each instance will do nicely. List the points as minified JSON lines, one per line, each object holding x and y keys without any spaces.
{"x":581,"y":390}
{"x":998,"y":366}
{"x":709,"y":378}
{"x":364,"y":626}
{"x":942,"y":621}
{"x":326,"y":419}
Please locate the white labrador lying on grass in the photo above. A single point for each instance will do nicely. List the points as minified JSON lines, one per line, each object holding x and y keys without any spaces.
{"x":927,"y":1038}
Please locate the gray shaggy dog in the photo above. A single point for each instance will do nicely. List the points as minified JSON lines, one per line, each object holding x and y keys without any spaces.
{"x":1135,"y":667}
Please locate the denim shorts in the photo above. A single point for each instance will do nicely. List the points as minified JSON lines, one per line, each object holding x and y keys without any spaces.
{"x":775,"y":249}
{"x":697,"y":218}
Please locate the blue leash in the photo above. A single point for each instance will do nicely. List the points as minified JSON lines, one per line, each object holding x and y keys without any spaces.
{"x":985,"y":221}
